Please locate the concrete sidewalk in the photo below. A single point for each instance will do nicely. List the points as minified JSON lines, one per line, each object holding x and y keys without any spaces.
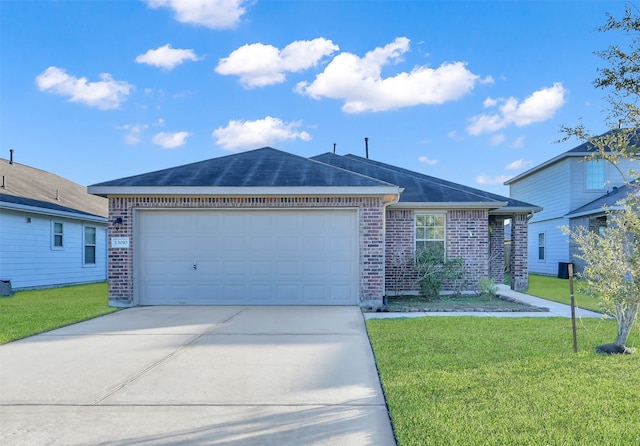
{"x":197,"y":375}
{"x":555,"y":309}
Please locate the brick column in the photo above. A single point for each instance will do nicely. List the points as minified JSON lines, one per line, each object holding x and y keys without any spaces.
{"x":519,"y":263}
{"x":496,"y":249}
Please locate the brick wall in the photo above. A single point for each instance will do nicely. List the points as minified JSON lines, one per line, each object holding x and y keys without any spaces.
{"x":400,"y":250}
{"x":468,"y":237}
{"x":519,"y":262}
{"x":496,"y":243}
{"x":121,"y":271}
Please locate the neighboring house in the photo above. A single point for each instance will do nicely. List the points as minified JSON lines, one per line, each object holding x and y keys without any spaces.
{"x":266,"y":227}
{"x":593,"y":216}
{"x":52,"y":232}
{"x":561,"y":186}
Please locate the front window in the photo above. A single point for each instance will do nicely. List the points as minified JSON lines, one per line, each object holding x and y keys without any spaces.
{"x":430,"y":231}
{"x":89,"y":245}
{"x":58,"y":235}
{"x":595,"y":175}
{"x":541,"y":246}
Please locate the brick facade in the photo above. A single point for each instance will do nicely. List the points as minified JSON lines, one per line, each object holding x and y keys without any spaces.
{"x":387,"y":246}
{"x":496,"y":248}
{"x":121,"y":265}
{"x":519,"y":261}
{"x":471,"y":234}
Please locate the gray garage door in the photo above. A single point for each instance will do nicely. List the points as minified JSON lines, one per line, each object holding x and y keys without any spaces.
{"x":247,"y":257}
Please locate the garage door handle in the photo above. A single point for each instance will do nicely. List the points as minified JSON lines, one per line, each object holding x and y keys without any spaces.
{"x":195,"y":265}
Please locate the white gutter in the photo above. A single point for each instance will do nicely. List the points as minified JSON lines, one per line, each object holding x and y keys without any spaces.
{"x":47,"y":211}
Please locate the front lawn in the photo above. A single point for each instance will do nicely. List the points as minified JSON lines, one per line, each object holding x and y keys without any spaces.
{"x":557,"y":290}
{"x":35,"y":311}
{"x":494,"y":381}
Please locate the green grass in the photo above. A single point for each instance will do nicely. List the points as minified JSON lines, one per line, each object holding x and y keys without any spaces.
{"x":557,"y":290}
{"x":493,"y":381}
{"x":27,"y":313}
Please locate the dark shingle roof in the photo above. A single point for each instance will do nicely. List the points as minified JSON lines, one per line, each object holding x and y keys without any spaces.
{"x":28,"y":186}
{"x":610,"y":200}
{"x":265,"y":167}
{"x":419,"y":187}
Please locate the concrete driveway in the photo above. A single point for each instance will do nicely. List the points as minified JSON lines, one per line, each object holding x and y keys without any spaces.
{"x":197,"y":375}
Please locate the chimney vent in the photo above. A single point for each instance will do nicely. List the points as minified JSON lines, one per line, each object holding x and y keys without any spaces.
{"x":366,"y":147}
{"x":10,"y":156}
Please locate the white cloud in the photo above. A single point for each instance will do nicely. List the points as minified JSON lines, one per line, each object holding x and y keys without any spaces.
{"x":215,"y":14}
{"x":134,"y":131}
{"x":107,"y":93}
{"x":540,"y":106}
{"x":243,"y":135}
{"x":498,"y":139}
{"x":519,"y":142}
{"x":519,"y":164}
{"x":166,"y":57}
{"x":170,"y":140}
{"x":486,"y":179}
{"x":427,"y":161}
{"x":359,"y":82}
{"x":489,"y":102}
{"x":455,"y":136}
{"x":258,"y":64}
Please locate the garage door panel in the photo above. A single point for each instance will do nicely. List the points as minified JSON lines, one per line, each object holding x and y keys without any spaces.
{"x":245,"y":257}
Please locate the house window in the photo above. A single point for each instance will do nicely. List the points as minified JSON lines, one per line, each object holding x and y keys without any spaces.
{"x":430,"y":230}
{"x":541,"y":246}
{"x":58,"y":235}
{"x":89,"y":245}
{"x":594,"y":175}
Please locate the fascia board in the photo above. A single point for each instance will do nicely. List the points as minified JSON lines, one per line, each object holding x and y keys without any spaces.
{"x":449,"y":205}
{"x":244,"y":191}
{"x":46,"y":211}
{"x":595,"y":211}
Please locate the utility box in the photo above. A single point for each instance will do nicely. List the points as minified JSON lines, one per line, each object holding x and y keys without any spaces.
{"x":563,"y":270}
{"x":5,"y":288}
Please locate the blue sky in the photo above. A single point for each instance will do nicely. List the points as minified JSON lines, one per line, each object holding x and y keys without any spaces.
{"x":473,"y":92}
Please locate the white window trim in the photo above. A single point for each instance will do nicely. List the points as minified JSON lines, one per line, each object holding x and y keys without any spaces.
{"x":544,"y":247}
{"x":415,"y":226}
{"x":54,"y":233}
{"x":84,"y":246}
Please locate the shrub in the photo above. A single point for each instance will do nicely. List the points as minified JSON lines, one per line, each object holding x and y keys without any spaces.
{"x":433,"y":270}
{"x":487,"y":287}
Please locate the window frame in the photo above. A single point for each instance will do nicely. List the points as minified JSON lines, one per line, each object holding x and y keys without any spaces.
{"x":542,"y":248}
{"x":55,"y":235}
{"x":590,"y":175}
{"x":85,"y":245}
{"x":426,"y":240}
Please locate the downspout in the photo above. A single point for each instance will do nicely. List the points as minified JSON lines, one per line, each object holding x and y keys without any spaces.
{"x":385,"y":304}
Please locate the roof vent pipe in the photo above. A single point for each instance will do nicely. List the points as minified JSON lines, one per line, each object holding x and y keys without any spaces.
{"x":10,"y":156}
{"x":4,"y":185}
{"x":366,"y":147}
{"x":334,"y":148}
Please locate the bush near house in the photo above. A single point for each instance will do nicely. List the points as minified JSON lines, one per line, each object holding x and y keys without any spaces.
{"x":27,"y":313}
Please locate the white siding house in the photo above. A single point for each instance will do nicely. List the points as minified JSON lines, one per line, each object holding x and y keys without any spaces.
{"x":560,"y":186}
{"x":52,"y":232}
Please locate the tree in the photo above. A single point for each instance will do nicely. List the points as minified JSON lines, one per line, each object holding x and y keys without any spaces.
{"x":612,"y":271}
{"x":612,"y":259}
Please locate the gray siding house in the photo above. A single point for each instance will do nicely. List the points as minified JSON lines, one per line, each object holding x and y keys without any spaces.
{"x":52,"y":232}
{"x":562,"y":186}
